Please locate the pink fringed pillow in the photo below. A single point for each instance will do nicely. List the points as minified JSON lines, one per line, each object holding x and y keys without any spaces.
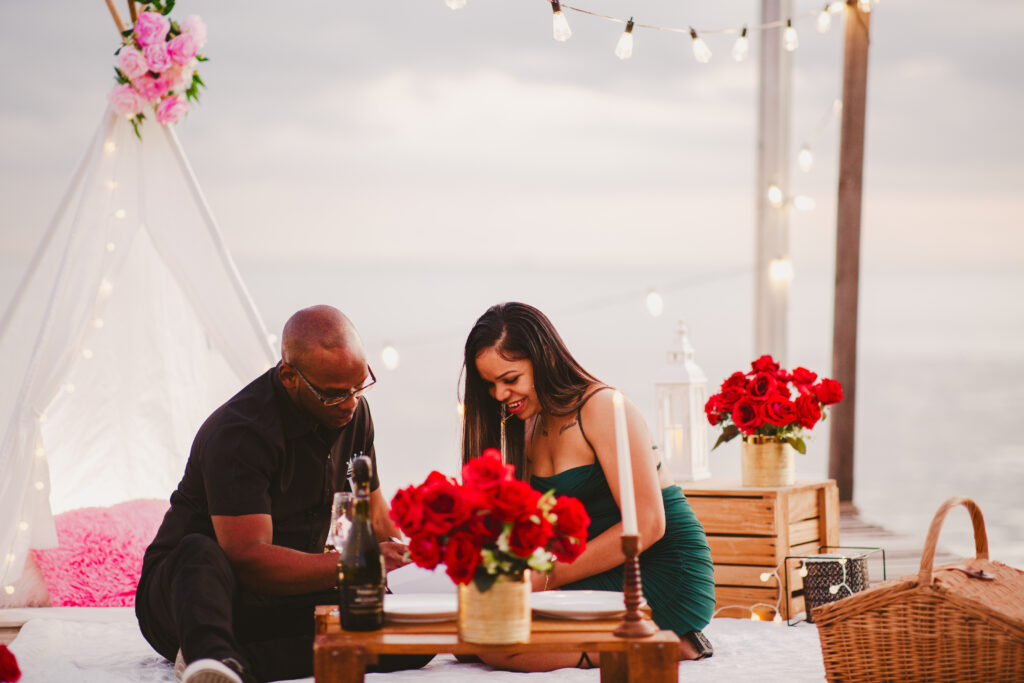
{"x":99,"y":559}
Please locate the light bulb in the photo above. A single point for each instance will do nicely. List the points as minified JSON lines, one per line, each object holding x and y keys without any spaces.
{"x":824,"y":20}
{"x":111,"y":246}
{"x":803,"y":203}
{"x":624,"y":49}
{"x":106,"y":286}
{"x":390,"y":357}
{"x":9,"y":590}
{"x":754,"y":616}
{"x":22,"y":526}
{"x":803,"y":571}
{"x":765,"y":576}
{"x":86,"y":353}
{"x":39,"y":485}
{"x":741,"y":48}
{"x":69,"y":387}
{"x":836,"y":7}
{"x":837,"y":107}
{"x":97,"y":323}
{"x":790,"y":41}
{"x":833,"y":589}
{"x":805,"y":159}
{"x":120,"y":213}
{"x":775,"y":196}
{"x":10,"y":558}
{"x":109,"y":147}
{"x":655,"y":304}
{"x":781,"y":270}
{"x":777,"y":619}
{"x":111,"y":185}
{"x":40,"y":452}
{"x":559,"y":24}
{"x":455,"y":4}
{"x":460,"y":408}
{"x":701,"y":51}
{"x":864,"y":5}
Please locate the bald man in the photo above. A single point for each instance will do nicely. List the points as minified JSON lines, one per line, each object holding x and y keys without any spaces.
{"x":229,"y":583}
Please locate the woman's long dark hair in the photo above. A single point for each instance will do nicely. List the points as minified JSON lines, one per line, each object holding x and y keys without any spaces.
{"x":517,"y":331}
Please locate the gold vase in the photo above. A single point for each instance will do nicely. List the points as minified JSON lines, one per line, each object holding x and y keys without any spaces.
{"x":766,"y":462}
{"x":499,"y":615}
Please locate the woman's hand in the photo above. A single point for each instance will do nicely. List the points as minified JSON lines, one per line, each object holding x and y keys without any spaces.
{"x":539,"y":581}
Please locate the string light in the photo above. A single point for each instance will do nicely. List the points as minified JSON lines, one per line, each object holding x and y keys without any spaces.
{"x":10,"y":558}
{"x":120,"y":213}
{"x":40,"y":486}
{"x":9,"y":590}
{"x":624,"y":48}
{"x":109,"y":147}
{"x":69,"y":388}
{"x":106,"y":286}
{"x":864,"y":5}
{"x":836,"y":7}
{"x":111,"y":246}
{"x":824,"y":19}
{"x":389,"y":355}
{"x":781,"y":270}
{"x":559,"y":24}
{"x":455,"y":4}
{"x":97,"y":323}
{"x":741,"y":48}
{"x":22,"y":526}
{"x":805,"y":159}
{"x":775,"y":197}
{"x":40,"y":452}
{"x":460,"y":408}
{"x":790,"y":40}
{"x":701,"y":51}
{"x":655,"y":304}
{"x":803,"y":203}
{"x":87,"y":353}
{"x":111,"y":185}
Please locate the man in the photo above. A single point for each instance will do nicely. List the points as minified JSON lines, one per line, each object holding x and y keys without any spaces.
{"x":229,"y":583}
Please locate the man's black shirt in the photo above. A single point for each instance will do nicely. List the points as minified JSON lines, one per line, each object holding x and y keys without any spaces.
{"x":259,"y":453}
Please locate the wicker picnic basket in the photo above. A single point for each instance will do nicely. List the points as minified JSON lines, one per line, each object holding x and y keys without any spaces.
{"x":957,"y":622}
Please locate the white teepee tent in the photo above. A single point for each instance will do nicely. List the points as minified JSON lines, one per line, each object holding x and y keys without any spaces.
{"x":130,"y":326}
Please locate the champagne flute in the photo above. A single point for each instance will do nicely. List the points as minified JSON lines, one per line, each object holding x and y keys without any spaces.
{"x":341,"y":519}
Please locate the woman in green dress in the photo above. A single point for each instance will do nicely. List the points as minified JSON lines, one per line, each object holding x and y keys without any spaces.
{"x":562,"y":437}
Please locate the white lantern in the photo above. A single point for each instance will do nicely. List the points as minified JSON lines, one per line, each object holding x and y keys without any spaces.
{"x":680,"y":392}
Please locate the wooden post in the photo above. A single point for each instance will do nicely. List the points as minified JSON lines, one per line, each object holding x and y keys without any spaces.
{"x":116,"y":16}
{"x":771,"y":296}
{"x":851,"y":174}
{"x":133,"y":12}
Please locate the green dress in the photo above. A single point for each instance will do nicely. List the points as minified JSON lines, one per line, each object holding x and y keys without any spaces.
{"x":677,"y":574}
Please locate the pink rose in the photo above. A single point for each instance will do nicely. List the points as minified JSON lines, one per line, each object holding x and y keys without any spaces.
{"x":157,"y":57}
{"x":182,"y":48}
{"x":171,"y":109}
{"x":125,"y":101}
{"x":131,"y":62}
{"x":151,"y":88}
{"x":152,"y":27}
{"x":194,"y":26}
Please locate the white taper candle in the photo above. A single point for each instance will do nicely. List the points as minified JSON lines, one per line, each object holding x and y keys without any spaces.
{"x":627,"y":499}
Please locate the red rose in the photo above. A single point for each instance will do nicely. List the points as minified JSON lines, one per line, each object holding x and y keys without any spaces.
{"x":512,"y":500}
{"x":736,"y":379}
{"x":484,"y":526}
{"x":808,"y":412}
{"x":730,"y":396}
{"x":407,"y":511}
{"x":425,"y":550}
{"x":571,"y":517}
{"x":748,"y":416}
{"x":828,"y":391}
{"x":568,"y":548}
{"x":461,"y":557}
{"x":530,"y":534}
{"x":9,"y":671}
{"x":486,"y":471}
{"x":444,"y":505}
{"x":713,"y":410}
{"x":762,"y":385}
{"x":803,"y":376}
{"x":765,"y":364}
{"x":779,"y":411}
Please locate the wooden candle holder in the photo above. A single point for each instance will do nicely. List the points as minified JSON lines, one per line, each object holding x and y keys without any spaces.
{"x":634,"y":624}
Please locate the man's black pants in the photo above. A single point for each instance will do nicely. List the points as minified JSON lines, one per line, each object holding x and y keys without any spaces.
{"x":191,"y":600}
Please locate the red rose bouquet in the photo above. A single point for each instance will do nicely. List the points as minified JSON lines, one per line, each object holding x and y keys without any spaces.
{"x":491,"y":525}
{"x":771,"y":402}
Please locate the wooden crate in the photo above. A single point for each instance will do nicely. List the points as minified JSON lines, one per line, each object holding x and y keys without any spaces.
{"x":752,"y":529}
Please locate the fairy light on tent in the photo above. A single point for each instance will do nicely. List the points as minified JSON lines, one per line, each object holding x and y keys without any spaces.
{"x":701,"y":51}
{"x":109,"y":147}
{"x":790,"y":40}
{"x":775,"y":197}
{"x":781,"y":270}
{"x":624,"y":48}
{"x":803,"y":203}
{"x":741,"y":48}
{"x":655,"y":303}
{"x":559,"y":24}
{"x":864,"y":5}
{"x":389,"y":355}
{"x":805,"y":159}
{"x":455,"y":4}
{"x":824,"y":22}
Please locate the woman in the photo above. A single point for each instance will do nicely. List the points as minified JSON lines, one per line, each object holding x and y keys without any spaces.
{"x":560,"y":435}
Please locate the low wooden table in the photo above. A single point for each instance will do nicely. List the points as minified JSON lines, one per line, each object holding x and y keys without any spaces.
{"x":342,"y":656}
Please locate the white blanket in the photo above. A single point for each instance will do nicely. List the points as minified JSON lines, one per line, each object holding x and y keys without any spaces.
{"x":61,"y":645}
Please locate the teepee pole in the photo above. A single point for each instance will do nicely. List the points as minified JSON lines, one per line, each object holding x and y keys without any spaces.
{"x":116,"y":16}
{"x":132,"y":12}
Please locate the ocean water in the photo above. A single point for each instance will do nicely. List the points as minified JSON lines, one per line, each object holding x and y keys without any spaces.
{"x":940,"y":369}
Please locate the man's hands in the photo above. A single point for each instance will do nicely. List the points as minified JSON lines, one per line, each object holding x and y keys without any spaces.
{"x":395,"y":554}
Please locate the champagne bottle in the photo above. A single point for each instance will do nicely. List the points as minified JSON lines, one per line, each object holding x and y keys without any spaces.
{"x":361,"y":564}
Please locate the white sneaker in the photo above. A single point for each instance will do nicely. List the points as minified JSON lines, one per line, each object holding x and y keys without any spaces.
{"x":209,"y":671}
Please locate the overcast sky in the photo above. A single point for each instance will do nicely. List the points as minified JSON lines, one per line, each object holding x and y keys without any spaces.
{"x":404,"y":131}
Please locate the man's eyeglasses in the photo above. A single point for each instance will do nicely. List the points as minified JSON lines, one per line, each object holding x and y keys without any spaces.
{"x":335,"y":397}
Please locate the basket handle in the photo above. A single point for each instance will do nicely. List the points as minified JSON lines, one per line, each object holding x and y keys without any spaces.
{"x":924,"y":577}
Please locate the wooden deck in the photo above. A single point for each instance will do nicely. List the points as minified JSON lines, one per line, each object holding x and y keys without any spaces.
{"x":902,"y":553}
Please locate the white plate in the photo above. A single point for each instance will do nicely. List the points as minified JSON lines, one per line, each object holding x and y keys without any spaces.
{"x":578,"y":604}
{"x":420,"y":608}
